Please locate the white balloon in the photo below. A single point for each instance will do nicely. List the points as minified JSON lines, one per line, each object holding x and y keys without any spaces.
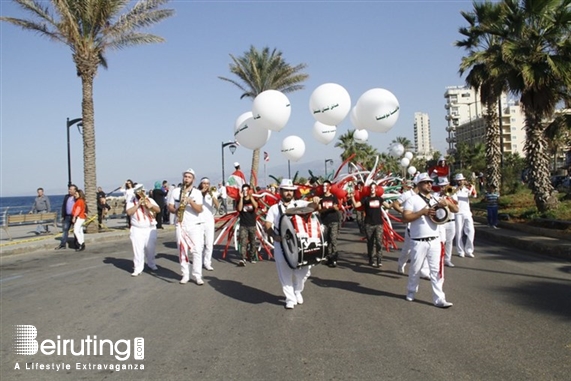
{"x":377,"y":110}
{"x":361,"y":136}
{"x":293,"y":148}
{"x":271,"y":110}
{"x":354,"y":120}
{"x":404,"y":162}
{"x":324,"y":133}
{"x":330,"y":103}
{"x":248,"y":133}
{"x":411,"y":170}
{"x":408,"y":155}
{"x":397,"y":150}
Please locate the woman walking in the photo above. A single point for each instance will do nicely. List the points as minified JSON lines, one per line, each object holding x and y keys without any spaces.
{"x":78,"y":218}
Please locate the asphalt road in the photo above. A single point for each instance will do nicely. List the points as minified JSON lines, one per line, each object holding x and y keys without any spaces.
{"x":510,"y":320}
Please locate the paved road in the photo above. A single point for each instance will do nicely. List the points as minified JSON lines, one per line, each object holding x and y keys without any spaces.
{"x":510,"y":321}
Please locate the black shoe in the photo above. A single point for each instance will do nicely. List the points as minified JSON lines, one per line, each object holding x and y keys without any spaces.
{"x":81,"y":247}
{"x":59,"y":247}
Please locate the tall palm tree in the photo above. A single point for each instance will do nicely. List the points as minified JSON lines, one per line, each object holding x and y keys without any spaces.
{"x":535,"y":63}
{"x":365,"y":154}
{"x":484,"y":62}
{"x":90,"y":28}
{"x":263,"y":70}
{"x":558,"y":136}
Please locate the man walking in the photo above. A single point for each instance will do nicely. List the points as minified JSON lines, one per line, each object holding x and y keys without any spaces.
{"x":66,"y":215}
{"x":41,"y":205}
{"x":247,"y":206}
{"x":329,"y":212}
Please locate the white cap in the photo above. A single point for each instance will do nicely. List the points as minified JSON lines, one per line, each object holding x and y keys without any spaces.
{"x":189,"y":170}
{"x":236,"y":164}
{"x":139,"y":187}
{"x":443,"y":181}
{"x":441,"y":158}
{"x":459,"y":177}
{"x":287,"y":184}
{"x":422,"y":177}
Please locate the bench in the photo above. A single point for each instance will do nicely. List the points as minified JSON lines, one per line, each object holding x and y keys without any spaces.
{"x":27,"y":219}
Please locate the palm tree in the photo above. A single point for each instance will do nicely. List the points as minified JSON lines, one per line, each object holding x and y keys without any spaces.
{"x":90,"y":28}
{"x":263,"y":70}
{"x":558,"y":136}
{"x":484,"y":62}
{"x":365,"y":154}
{"x":535,"y":62}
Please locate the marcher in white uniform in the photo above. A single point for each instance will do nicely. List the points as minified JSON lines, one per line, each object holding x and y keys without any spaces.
{"x":292,"y":281}
{"x":189,"y":231}
{"x":405,"y":249}
{"x":425,"y":240}
{"x":448,"y":230}
{"x":143,"y":231}
{"x":210,"y":205}
{"x":464,"y":221}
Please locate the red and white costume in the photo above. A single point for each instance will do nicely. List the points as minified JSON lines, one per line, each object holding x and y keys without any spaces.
{"x":143,"y":235}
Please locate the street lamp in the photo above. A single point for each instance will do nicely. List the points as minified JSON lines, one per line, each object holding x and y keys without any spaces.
{"x":70,"y":123}
{"x":232,"y":146}
{"x":327,"y":161}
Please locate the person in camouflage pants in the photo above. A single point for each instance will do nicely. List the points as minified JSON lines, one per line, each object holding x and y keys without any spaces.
{"x":247,"y":206}
{"x":329,"y":212}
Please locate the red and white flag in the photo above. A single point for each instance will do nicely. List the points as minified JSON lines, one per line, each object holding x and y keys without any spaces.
{"x":266,"y":156}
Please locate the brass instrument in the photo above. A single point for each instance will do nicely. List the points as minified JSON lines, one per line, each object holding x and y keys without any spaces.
{"x":144,"y":199}
{"x":449,"y":191}
{"x":182,"y":205}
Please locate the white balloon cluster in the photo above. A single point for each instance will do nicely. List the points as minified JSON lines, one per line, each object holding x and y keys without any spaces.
{"x":396,"y":150}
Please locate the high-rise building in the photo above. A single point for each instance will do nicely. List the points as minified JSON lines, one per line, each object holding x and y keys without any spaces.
{"x":466,"y":123}
{"x":422,"y":140}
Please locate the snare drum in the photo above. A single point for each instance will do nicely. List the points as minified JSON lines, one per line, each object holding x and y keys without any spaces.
{"x":302,"y":239}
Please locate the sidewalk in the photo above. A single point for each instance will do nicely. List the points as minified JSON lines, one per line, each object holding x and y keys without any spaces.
{"x":549,"y":242}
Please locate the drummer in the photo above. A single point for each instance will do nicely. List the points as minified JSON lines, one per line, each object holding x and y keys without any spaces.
{"x":292,"y":281}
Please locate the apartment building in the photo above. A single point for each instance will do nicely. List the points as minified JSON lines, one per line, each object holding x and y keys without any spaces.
{"x":422,"y":140}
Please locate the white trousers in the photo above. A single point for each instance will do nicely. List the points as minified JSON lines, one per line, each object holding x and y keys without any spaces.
{"x":405,"y":255}
{"x":464,"y":226}
{"x":78,"y":230}
{"x":429,"y":251}
{"x":144,"y":242}
{"x":450,"y":231}
{"x":292,"y":281}
{"x":190,"y":240}
{"x":208,"y":242}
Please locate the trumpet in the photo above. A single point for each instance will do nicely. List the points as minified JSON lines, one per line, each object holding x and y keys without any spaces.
{"x":144,"y":200}
{"x":449,"y":191}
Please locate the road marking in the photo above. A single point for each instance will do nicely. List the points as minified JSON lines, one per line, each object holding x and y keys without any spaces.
{"x":10,"y":278}
{"x":58,"y":264}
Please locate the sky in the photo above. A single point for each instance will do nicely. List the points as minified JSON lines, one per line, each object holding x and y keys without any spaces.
{"x":161,"y":108}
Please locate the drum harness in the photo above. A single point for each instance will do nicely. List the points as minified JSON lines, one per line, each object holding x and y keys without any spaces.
{"x":425,"y":239}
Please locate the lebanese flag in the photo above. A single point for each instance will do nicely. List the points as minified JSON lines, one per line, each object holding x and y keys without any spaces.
{"x":266,"y":156}
{"x":234,"y":186}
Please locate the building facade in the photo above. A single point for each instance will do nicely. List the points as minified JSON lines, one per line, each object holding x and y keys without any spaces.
{"x":422,"y":140}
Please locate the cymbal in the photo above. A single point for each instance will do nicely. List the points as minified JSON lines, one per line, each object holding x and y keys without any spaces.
{"x":299,"y":210}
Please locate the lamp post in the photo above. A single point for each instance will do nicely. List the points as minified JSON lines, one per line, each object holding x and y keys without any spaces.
{"x":327,"y":161}
{"x":70,"y":123}
{"x":232,"y":146}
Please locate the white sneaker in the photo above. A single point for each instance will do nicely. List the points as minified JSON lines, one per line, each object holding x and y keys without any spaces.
{"x":461,"y":255}
{"x":449,"y":264}
{"x":443,"y":304}
{"x":199,"y":282}
{"x":184,"y":279}
{"x":208,"y":268}
{"x":470,"y":255}
{"x":136,"y":273}
{"x":409,"y":296}
{"x":289,"y":305}
{"x":299,"y":298}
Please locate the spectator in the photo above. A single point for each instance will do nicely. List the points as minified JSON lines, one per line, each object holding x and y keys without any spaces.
{"x":492,"y":197}
{"x":66,"y":214}
{"x":158,"y":194}
{"x":41,"y":205}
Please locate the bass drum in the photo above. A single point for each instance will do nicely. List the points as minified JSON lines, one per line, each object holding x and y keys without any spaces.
{"x":302,"y":240}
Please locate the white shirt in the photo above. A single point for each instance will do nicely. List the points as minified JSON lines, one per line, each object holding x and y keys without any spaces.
{"x":208,"y":209}
{"x":405,"y":196}
{"x":422,"y":227}
{"x":463,"y":197}
{"x":191,"y":216}
{"x":141,"y":218}
{"x":222,"y":191}
{"x":274,"y":213}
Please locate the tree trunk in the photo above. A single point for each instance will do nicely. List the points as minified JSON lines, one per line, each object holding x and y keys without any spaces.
{"x":538,"y":163}
{"x":255,"y":167}
{"x":89,"y":167}
{"x":493,"y":149}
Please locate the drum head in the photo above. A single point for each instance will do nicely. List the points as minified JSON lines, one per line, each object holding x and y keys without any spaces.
{"x":442,"y":215}
{"x":300,"y":210}
{"x":290,"y":246}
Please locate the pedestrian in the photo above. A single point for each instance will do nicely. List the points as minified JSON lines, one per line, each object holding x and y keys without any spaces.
{"x":238,"y":172}
{"x":373,"y":204}
{"x":359,"y":211}
{"x":79,"y":214}
{"x":186,"y":203}
{"x":292,"y":280}
{"x":492,"y":198}
{"x":158,"y":195}
{"x":210,"y":205}
{"x":41,"y":205}
{"x":142,"y":211}
{"x":66,"y":215}
{"x":330,"y":218}
{"x":223,"y":196}
{"x":127,"y":191}
{"x":464,"y":220}
{"x":102,"y":206}
{"x":247,"y":208}
{"x":420,"y":211}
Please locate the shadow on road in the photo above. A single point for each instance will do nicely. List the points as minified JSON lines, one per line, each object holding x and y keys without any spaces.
{"x":241,"y":292}
{"x":546,"y":297}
